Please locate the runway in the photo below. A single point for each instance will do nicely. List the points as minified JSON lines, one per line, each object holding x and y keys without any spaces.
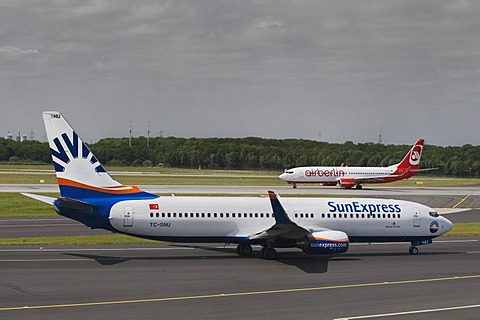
{"x":212,"y":282}
{"x":172,"y":281}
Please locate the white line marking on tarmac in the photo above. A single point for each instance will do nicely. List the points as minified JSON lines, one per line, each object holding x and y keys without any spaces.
{"x":409,"y":312}
{"x":233,"y":294}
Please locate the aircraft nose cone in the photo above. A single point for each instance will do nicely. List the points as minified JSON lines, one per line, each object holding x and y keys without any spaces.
{"x":448,"y":225}
{"x":283,"y":176}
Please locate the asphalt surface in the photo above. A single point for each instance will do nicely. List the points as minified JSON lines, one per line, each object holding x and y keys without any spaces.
{"x":172,"y":281}
{"x":211,"y":282}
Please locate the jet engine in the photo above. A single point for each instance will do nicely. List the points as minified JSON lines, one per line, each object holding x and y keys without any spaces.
{"x":346,"y":183}
{"x":325,"y":242}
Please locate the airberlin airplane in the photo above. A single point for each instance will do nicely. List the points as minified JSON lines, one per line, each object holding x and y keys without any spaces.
{"x":349,"y":177}
{"x":88,"y":194}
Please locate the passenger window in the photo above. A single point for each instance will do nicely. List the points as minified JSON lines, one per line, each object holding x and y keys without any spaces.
{"x":151,"y":214}
{"x":169,"y":215}
{"x":227,"y":215}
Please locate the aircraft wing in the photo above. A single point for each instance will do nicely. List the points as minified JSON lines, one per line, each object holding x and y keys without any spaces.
{"x":381,"y":178}
{"x":311,"y":241}
{"x":283,"y":227}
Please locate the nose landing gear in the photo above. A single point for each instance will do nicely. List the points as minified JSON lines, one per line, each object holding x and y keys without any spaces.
{"x":413,"y":250}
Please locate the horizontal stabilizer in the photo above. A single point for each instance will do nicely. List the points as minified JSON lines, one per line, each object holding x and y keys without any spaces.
{"x":48,"y":200}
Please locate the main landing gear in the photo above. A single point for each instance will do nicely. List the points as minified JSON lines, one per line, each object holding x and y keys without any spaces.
{"x":358,"y":186}
{"x":267,"y":253}
{"x":413,"y":250}
{"x":244,"y":249}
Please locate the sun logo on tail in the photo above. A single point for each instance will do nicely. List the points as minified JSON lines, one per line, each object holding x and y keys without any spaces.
{"x":75,"y":147}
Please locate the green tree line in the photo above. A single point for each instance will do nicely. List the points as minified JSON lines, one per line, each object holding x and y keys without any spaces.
{"x":253,"y":153}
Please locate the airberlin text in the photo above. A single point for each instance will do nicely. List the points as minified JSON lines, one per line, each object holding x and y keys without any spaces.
{"x":357,"y":207}
{"x":324,"y":173}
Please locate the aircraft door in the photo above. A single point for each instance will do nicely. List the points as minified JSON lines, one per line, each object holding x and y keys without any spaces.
{"x":416,"y":217}
{"x":128,"y":217}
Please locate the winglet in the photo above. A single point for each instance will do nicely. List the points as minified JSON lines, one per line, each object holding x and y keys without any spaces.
{"x":279,"y":212}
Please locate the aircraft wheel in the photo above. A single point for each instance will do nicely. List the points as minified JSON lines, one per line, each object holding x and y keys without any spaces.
{"x":294,"y":186}
{"x":359,"y":186}
{"x":244,"y":249}
{"x":413,"y":250}
{"x":269,"y":254}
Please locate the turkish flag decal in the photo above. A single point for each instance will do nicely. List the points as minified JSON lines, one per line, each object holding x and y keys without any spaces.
{"x":154,"y":206}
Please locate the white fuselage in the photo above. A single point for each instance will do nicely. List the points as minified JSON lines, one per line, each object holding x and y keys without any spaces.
{"x":222,"y":219}
{"x":333,"y":174}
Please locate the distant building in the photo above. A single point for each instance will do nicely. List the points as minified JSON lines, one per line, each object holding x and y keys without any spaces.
{"x":20,"y":137}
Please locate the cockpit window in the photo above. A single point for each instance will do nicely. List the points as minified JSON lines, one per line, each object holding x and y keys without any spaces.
{"x":289,"y":171}
{"x":433,"y":214}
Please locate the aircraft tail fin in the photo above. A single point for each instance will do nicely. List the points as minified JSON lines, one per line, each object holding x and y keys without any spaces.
{"x":411,"y":161}
{"x":79,"y":173}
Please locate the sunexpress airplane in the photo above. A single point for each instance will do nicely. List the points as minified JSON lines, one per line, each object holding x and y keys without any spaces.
{"x":317,"y":226}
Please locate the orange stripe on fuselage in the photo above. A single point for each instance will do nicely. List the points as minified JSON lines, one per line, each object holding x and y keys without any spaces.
{"x":325,"y":239}
{"x":111,"y":190}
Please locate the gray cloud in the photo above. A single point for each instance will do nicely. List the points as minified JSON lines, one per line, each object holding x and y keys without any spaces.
{"x":350,"y":69}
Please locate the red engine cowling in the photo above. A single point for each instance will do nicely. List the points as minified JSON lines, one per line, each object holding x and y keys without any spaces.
{"x":346,"y":182}
{"x":326,"y":242}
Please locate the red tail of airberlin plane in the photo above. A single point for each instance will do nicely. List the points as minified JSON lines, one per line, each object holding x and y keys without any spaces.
{"x":349,"y":177}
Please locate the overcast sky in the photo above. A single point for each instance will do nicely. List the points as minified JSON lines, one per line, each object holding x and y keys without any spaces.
{"x":351,"y":70}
